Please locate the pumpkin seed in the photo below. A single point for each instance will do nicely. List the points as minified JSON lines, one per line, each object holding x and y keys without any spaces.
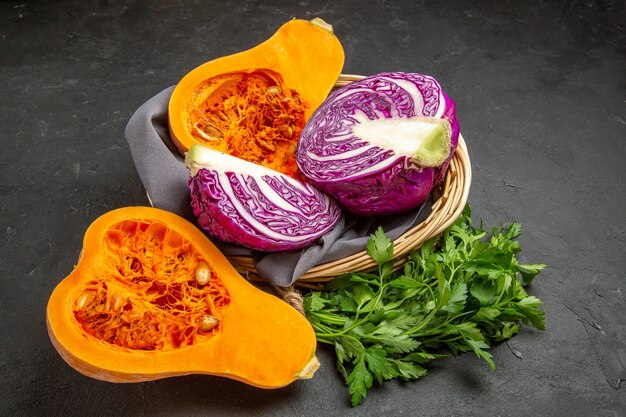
{"x":207,"y":323}
{"x":286,"y":131}
{"x":203,"y":273}
{"x":85,"y":298}
{"x":117,"y":302}
{"x":210,"y":134}
{"x":270,"y":147}
{"x":273,"y":90}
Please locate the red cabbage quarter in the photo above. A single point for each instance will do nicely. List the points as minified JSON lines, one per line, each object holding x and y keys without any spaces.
{"x":244,"y":203}
{"x":381,"y":144}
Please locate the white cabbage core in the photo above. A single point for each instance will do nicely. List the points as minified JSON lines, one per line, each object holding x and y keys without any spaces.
{"x":199,"y":157}
{"x":202,"y":157}
{"x":424,"y":139}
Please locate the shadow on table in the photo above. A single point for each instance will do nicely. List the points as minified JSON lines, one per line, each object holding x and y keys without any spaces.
{"x":64,"y":392}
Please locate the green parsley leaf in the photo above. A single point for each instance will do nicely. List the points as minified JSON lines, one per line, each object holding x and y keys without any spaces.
{"x":487,"y":314}
{"x":483,"y":291}
{"x":314,"y":302}
{"x":347,"y":302}
{"x":529,"y":307}
{"x":409,"y":370}
{"x":359,"y":380}
{"x":513,"y":231}
{"x":380,"y":247}
{"x":479,"y":346}
{"x":352,"y":346}
{"x":422,"y":357}
{"x":530,"y":271}
{"x":379,"y":365}
{"x":458,"y":295}
{"x":342,"y":357}
{"x":396,"y":344}
{"x":361,"y":295}
{"x":404,"y":282}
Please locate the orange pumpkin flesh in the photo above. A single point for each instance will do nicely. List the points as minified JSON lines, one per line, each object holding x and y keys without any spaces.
{"x":254,"y":104}
{"x":135,"y":308}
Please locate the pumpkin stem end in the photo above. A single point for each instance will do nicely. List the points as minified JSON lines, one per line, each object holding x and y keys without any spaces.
{"x":309,"y":369}
{"x":322,"y":24}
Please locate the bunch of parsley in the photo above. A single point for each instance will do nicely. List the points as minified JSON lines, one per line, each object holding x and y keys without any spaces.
{"x":458,"y":293}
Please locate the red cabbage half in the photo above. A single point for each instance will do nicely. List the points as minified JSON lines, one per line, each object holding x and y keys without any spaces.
{"x":379,"y":145}
{"x":244,"y":203}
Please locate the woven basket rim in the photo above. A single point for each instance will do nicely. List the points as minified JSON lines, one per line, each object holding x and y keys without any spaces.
{"x":445,"y":210}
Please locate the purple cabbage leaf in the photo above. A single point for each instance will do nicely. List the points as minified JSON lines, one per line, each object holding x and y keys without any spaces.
{"x":240,"y":202}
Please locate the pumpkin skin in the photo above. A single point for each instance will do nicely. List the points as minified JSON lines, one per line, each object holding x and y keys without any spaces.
{"x":303,"y":60}
{"x":260,"y":339}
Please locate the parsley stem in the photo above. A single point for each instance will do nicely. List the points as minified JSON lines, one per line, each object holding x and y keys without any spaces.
{"x":325,"y":340}
{"x":430,"y":289}
{"x":440,"y":327}
{"x":321,"y":327}
{"x":440,"y":339}
{"x":330,"y":334}
{"x":329,"y":318}
{"x":461,"y":315}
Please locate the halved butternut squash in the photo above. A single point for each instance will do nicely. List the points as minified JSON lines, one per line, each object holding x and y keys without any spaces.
{"x":254,"y":104}
{"x":151,"y":297}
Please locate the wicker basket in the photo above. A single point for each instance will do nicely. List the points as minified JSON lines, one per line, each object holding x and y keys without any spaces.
{"x":449,"y":199}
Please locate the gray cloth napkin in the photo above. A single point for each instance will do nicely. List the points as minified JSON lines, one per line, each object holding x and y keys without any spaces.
{"x":164,"y":175}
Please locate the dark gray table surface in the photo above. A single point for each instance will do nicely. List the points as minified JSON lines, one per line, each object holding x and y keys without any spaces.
{"x":541,"y":94}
